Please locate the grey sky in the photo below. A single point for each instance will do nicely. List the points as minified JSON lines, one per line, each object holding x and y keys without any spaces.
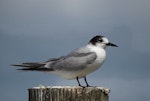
{"x":36,"y":30}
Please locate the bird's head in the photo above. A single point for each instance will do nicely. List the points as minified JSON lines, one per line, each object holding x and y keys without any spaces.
{"x":101,"y":41}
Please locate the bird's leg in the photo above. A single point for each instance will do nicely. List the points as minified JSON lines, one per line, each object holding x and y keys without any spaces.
{"x":79,"y":83}
{"x":87,"y":85}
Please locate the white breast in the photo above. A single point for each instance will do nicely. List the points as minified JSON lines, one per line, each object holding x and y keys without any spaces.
{"x":101,"y":54}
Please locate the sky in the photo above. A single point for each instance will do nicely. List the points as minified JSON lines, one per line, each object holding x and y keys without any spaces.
{"x":36,"y":30}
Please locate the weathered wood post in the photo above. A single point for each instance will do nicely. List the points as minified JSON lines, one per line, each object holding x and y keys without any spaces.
{"x":67,"y":93}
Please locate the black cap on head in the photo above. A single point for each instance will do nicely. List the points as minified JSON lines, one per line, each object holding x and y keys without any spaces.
{"x":101,"y":39}
{"x":95,"y":39}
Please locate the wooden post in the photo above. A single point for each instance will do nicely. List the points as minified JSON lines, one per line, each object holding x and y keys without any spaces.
{"x":67,"y":93}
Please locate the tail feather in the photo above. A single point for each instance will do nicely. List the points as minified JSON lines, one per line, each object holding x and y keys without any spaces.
{"x":36,"y":66}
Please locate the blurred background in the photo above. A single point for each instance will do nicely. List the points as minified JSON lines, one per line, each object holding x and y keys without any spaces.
{"x":36,"y":30}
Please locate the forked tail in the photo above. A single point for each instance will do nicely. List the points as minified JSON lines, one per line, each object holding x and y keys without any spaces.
{"x":33,"y":66}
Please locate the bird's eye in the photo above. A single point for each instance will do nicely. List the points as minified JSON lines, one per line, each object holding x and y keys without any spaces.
{"x":100,"y":40}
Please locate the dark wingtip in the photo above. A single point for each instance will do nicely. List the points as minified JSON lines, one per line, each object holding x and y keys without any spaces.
{"x":19,"y":65}
{"x":14,"y":65}
{"x":25,"y":69}
{"x":35,"y":69}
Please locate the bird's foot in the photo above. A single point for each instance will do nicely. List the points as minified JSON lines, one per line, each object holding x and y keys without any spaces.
{"x":85,"y":86}
{"x":82,"y":86}
{"x":89,"y":86}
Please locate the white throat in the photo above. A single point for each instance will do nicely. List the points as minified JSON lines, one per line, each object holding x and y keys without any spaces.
{"x":99,"y":50}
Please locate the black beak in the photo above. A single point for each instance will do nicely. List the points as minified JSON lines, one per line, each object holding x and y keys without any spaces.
{"x":111,"y":44}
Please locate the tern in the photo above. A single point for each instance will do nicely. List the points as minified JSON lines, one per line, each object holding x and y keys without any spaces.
{"x":77,"y":64}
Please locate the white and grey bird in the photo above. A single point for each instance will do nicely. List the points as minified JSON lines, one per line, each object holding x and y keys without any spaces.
{"x":77,"y":64}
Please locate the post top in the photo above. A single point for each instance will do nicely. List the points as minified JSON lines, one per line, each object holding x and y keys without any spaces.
{"x":105,"y":90}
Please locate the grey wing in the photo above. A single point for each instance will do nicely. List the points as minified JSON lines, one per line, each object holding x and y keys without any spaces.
{"x":55,"y":59}
{"x":76,"y":61}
